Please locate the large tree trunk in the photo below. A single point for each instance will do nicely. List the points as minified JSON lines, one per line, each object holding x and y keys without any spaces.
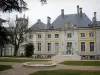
{"x":16,"y":50}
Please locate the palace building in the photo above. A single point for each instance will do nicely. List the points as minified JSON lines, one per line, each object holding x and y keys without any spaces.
{"x":70,"y":36}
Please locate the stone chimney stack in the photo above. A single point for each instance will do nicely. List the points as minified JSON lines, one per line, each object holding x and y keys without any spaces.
{"x":38,"y":20}
{"x":48,"y":20}
{"x":95,"y":18}
{"x":78,"y":12}
{"x":62,"y":12}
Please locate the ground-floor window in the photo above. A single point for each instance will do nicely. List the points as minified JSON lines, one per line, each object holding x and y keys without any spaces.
{"x":91,"y":46}
{"x":56,"y":47}
{"x":49,"y":46}
{"x":82,"y":46}
{"x":39,"y":46}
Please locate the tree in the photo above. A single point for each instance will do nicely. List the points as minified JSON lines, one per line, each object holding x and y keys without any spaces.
{"x":29,"y":50}
{"x":10,"y":5}
{"x":17,"y":31}
{"x":3,"y":38}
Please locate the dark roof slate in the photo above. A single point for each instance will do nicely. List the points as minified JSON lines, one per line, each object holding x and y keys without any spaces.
{"x":82,"y":21}
{"x":37,"y":26}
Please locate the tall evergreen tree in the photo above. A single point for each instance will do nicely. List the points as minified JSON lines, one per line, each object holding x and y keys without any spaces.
{"x":9,"y":6}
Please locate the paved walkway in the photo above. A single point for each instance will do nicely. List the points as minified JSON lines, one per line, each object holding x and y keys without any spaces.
{"x":19,"y":69}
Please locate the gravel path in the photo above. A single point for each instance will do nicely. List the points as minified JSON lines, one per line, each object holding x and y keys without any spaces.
{"x":19,"y":69}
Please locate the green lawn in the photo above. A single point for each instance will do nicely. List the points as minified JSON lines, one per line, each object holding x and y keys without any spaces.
{"x":66,"y":72}
{"x":20,"y":60}
{"x":82,"y":63}
{"x":5,"y":67}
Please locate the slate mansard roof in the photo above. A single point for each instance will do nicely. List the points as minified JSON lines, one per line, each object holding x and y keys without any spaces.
{"x":38,"y":25}
{"x":79,"y":21}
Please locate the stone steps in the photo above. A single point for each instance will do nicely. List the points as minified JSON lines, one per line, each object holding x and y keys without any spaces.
{"x":60,"y":58}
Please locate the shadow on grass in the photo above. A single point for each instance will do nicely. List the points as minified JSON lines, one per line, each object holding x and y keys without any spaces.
{"x":5,"y":67}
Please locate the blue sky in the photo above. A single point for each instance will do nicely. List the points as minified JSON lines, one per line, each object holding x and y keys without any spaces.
{"x":53,"y":9}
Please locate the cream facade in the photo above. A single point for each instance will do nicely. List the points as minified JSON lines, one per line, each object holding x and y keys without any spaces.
{"x":72,"y":36}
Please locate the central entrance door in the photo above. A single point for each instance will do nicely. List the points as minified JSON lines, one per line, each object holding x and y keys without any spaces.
{"x":69,"y":48}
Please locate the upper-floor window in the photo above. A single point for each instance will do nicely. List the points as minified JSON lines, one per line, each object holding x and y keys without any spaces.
{"x":39,"y":36}
{"x":91,"y":34}
{"x":69,"y":35}
{"x":82,"y":34}
{"x":56,"y":35}
{"x":49,"y":35}
{"x":39,"y":46}
{"x":69,"y":44}
{"x":82,"y":46}
{"x":91,"y":46}
{"x":30,"y":36}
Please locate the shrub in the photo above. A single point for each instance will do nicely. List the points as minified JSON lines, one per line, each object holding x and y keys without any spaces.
{"x":29,"y":50}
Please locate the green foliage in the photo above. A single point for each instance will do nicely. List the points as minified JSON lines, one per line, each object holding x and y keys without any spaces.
{"x":66,"y":72}
{"x":10,"y":5}
{"x":29,"y":50}
{"x":4,"y":34}
{"x":5,"y":67}
{"x":82,"y":63}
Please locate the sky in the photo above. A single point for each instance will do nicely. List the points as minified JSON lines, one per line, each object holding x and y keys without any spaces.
{"x":53,"y":9}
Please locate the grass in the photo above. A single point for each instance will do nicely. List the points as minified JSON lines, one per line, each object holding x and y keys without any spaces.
{"x":66,"y":72}
{"x":82,"y":63}
{"x":20,"y":60}
{"x":5,"y":67}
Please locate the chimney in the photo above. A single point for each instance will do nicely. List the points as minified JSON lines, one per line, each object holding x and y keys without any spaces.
{"x":38,"y":20}
{"x":78,"y":12}
{"x":95,"y":19}
{"x":48,"y":20}
{"x":62,"y":12}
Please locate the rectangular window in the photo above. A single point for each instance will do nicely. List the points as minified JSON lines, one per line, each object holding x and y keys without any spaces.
{"x":39,"y":36}
{"x":69,"y":35}
{"x":91,"y":46}
{"x":91,"y":34}
{"x":56,"y":35}
{"x":49,"y":46}
{"x":49,"y":35}
{"x":39,"y":46}
{"x":82,"y":46}
{"x":82,"y":34}
{"x":56,"y":47}
{"x":69,"y":44}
